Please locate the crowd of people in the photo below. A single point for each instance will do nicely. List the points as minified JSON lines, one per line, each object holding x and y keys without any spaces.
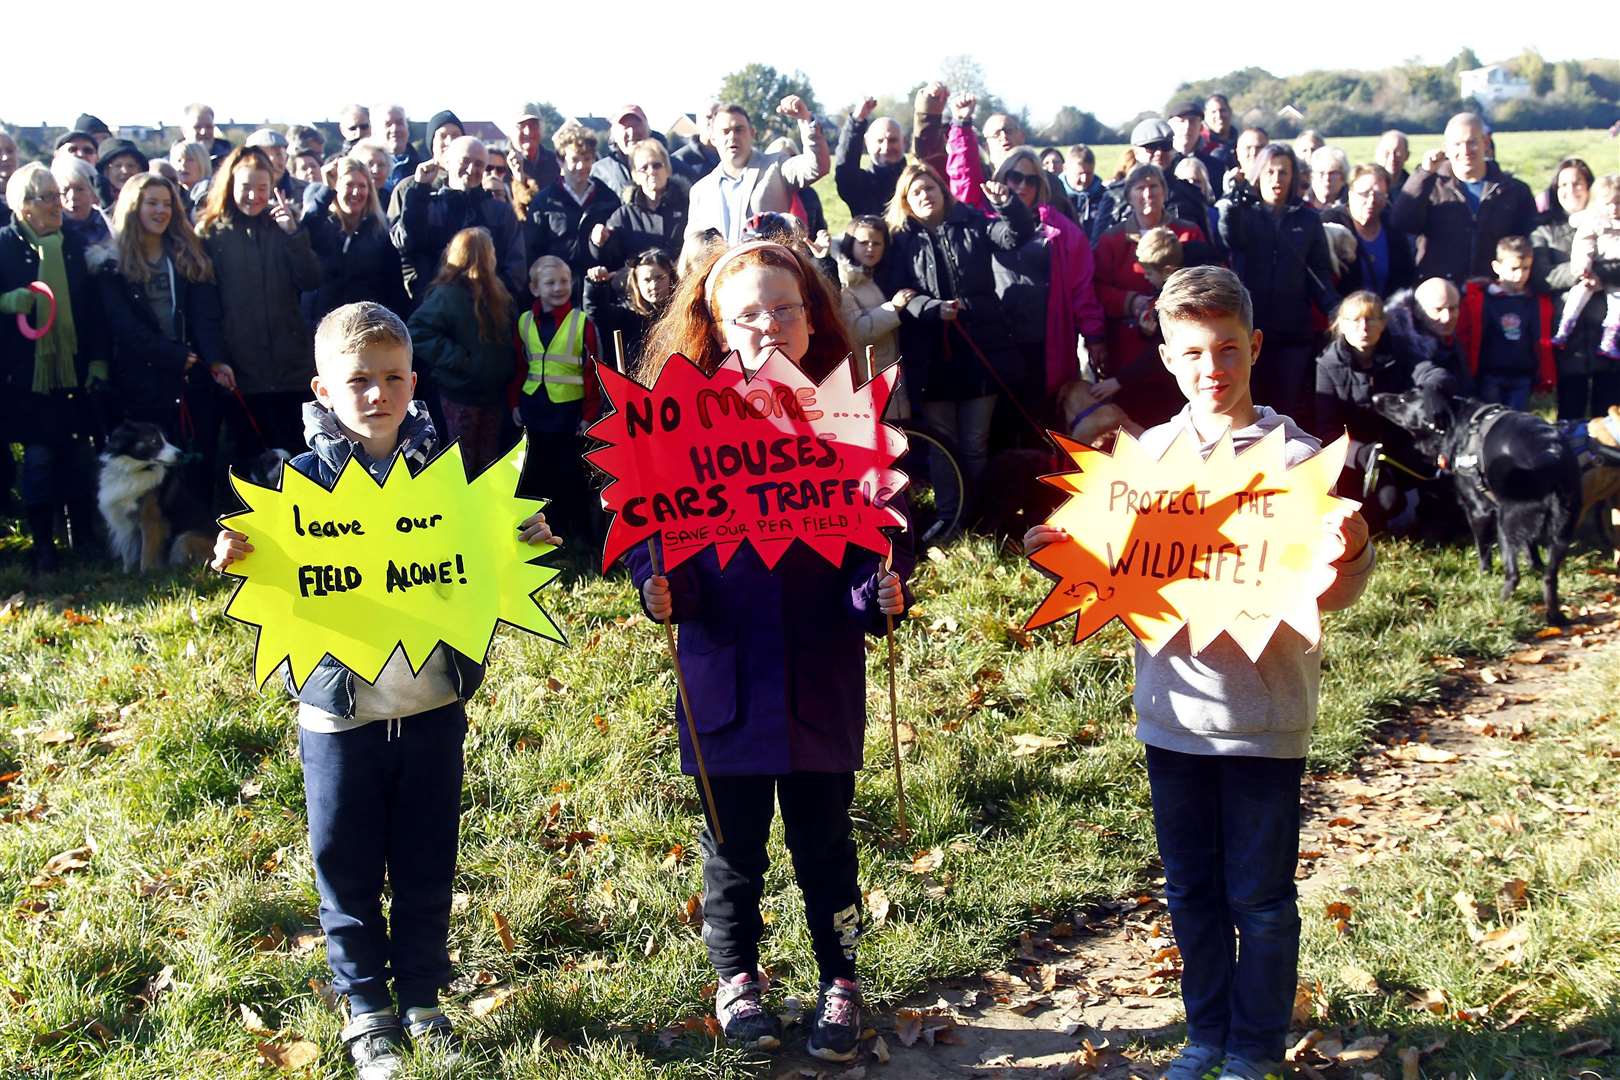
{"x":995,"y":271}
{"x":213,"y":294}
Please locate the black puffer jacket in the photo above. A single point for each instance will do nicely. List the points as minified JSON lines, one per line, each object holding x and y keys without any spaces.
{"x":425,"y":218}
{"x":865,"y":189}
{"x":1433,"y":362}
{"x":363,"y":265}
{"x":1284,"y":262}
{"x":1454,"y":240}
{"x":953,"y":262}
{"x":560,"y":225}
{"x":1344,"y":392}
{"x":148,"y":366}
{"x":636,"y":228}
{"x":261,"y":271}
{"x":608,"y":309}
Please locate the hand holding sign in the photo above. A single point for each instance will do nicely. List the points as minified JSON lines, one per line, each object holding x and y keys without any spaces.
{"x":358,"y":570}
{"x":1239,"y":543}
{"x":727,"y":460}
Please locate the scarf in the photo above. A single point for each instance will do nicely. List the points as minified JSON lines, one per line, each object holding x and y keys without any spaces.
{"x":54,"y":353}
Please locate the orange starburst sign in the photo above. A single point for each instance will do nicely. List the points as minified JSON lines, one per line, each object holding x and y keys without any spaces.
{"x":1233,"y":543}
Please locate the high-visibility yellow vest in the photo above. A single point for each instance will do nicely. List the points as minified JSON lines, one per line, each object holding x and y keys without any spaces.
{"x":559,"y":367}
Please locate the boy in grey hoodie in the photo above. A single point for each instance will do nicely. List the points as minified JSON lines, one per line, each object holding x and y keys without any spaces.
{"x":1226,"y":736}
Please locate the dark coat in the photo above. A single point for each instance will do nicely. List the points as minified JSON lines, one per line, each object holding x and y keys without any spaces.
{"x":952,"y":262}
{"x":1344,"y":393}
{"x":1454,"y":241}
{"x":1552,"y":240}
{"x":636,"y":228}
{"x":693,"y":159}
{"x":1433,"y":361}
{"x":609,"y":311}
{"x":261,"y":272}
{"x":38,"y":418}
{"x":1087,"y":205}
{"x":1284,"y":262}
{"x":330,"y":686}
{"x":866,"y":189}
{"x":426,"y":218}
{"x":467,"y":368}
{"x":1182,"y":202}
{"x":363,"y":265}
{"x":1402,"y":263}
{"x":404,"y":167}
{"x":558,"y":225}
{"x":149,"y":367}
{"x":775,"y":660}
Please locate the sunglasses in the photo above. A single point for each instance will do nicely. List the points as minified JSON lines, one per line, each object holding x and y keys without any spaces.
{"x":1156,"y":147}
{"x":1020,"y":179}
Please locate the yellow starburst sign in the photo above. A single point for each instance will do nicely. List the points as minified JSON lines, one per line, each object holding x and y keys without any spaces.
{"x":1234,"y":543}
{"x":364,"y":568}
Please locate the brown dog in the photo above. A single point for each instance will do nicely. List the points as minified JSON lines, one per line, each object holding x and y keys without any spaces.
{"x":1600,"y":481}
{"x":1090,"y":419}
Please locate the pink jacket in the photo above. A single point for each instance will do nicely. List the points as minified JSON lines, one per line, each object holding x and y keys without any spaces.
{"x":1072,"y":307}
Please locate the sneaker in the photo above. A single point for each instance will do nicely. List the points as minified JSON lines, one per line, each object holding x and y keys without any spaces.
{"x":1375,"y":468}
{"x":1196,"y":1062}
{"x":836,"y":1029}
{"x":376,"y":1045}
{"x":744,"y":1020}
{"x":1238,"y":1068}
{"x":430,"y":1030}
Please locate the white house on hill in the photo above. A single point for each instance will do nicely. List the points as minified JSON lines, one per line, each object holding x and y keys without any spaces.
{"x":1491,"y":85}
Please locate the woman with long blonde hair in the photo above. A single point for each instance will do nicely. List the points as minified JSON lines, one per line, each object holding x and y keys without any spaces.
{"x":163,"y":316}
{"x":349,"y":235}
{"x":263,"y":264}
{"x":462,"y":336}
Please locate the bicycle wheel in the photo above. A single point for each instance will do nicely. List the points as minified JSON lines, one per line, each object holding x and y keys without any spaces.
{"x":938,"y":491}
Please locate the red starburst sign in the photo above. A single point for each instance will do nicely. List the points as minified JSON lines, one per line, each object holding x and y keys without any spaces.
{"x":733,"y":459}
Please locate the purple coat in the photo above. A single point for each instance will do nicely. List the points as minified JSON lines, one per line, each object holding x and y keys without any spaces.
{"x":775,"y":660}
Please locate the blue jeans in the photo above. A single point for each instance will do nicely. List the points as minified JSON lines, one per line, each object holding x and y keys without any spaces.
{"x":1228,"y":831}
{"x":386,"y":803}
{"x":967,"y":424}
{"x":1510,"y":390}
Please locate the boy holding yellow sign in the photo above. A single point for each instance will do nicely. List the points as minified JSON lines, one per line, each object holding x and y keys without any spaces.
{"x":384,"y":798}
{"x":1226,"y":735}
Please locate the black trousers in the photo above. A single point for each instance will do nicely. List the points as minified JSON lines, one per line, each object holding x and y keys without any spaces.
{"x":1581,"y":397}
{"x":815,"y":817}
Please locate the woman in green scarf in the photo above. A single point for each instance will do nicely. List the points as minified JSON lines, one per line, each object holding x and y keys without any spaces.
{"x":45,"y":384}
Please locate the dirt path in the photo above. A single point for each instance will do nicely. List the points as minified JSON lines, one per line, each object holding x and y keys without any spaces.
{"x":1075,"y":998}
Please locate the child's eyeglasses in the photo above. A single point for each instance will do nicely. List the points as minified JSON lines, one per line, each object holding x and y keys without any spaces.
{"x":786,"y":315}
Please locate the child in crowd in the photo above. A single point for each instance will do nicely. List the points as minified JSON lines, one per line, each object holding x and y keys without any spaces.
{"x":873,"y":317}
{"x":462,"y":335}
{"x":775,"y":666}
{"x":648,"y":284}
{"x":1226,"y":736}
{"x":1504,"y":330}
{"x":1361,"y":361}
{"x":555,"y":397}
{"x":1597,"y":236}
{"x":1142,"y":389}
{"x":382,"y":761}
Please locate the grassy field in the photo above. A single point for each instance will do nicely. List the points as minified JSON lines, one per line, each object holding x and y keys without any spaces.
{"x":1529,"y":155}
{"x":136,"y":743}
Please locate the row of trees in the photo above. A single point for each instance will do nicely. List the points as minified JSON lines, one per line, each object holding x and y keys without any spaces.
{"x":1412,"y":95}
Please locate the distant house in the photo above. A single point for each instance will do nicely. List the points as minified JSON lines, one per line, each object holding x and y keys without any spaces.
{"x":140,"y":133}
{"x":599,"y":124}
{"x":1288,"y":112}
{"x":487,"y":132}
{"x":1491,"y":85}
{"x":684,"y":126}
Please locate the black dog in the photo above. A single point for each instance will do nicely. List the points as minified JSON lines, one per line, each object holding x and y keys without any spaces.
{"x":1517,"y":480}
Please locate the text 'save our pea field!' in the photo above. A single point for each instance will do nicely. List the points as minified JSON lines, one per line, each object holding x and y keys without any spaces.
{"x":364,"y":568}
{"x":1234,"y":543}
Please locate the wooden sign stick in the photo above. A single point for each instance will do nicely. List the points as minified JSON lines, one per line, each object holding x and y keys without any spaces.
{"x":618,"y":350}
{"x":686,"y":707}
{"x":894,"y":703}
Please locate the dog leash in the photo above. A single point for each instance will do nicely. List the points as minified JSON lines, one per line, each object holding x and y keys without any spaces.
{"x":1040,"y":429}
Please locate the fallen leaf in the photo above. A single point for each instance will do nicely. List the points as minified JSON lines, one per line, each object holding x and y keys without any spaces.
{"x":1025,"y":744}
{"x":1529,"y":656}
{"x":908,"y":1026}
{"x":1511,"y":896}
{"x":1358,"y":979}
{"x":1433,"y":1001}
{"x":880,"y":1050}
{"x":504,"y":929}
{"x":1339,"y":913}
{"x":1421,"y":752}
{"x":13,"y":606}
{"x":67,"y":861}
{"x":298,"y":1054}
{"x":877,"y":907}
{"x":252,"y":1022}
{"x":55,"y":737}
{"x":926,"y":862}
{"x":1505,"y":937}
{"x":487,"y":1001}
{"x":1411,"y":1060}
{"x":74,"y":618}
{"x":157,"y":985}
{"x":1588,"y":1047}
{"x":1550,"y":631}
{"x":1364,"y":1049}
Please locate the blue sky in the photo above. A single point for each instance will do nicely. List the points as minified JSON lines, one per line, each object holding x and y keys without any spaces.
{"x":590,"y":57}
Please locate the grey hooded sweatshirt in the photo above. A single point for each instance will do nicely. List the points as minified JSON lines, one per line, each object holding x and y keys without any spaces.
{"x":1220,"y":701}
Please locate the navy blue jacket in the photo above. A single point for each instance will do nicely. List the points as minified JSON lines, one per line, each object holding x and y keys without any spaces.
{"x":1283,"y":261}
{"x":148,"y":366}
{"x":330,"y":687}
{"x":425,"y":218}
{"x":775,"y":660}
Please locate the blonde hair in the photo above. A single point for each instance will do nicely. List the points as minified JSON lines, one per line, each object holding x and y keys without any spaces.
{"x":355,"y":166}
{"x":898,"y":212}
{"x":1159,"y":249}
{"x":180,"y":243}
{"x":1603,"y":189}
{"x":653,"y":148}
{"x":196,"y":153}
{"x":1359,"y":304}
{"x":469,"y":261}
{"x":551,"y":262}
{"x":1205,"y":292}
{"x":354,"y":327}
